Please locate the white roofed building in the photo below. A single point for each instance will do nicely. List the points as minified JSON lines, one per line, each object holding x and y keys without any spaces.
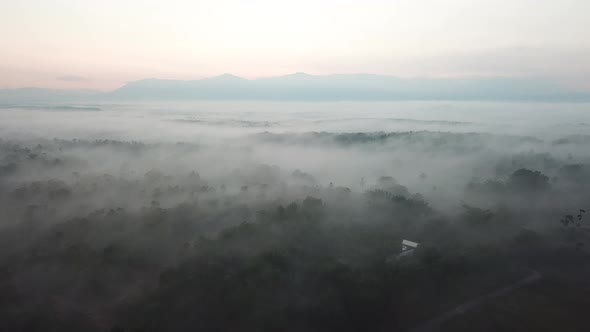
{"x":408,"y":247}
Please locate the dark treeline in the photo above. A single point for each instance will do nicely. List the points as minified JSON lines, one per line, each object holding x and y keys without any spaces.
{"x":106,"y":235}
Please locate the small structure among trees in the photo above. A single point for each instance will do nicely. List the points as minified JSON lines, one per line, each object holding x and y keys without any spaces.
{"x":408,"y":247}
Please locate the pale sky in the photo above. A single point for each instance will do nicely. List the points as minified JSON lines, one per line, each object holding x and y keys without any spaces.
{"x":103,"y":44}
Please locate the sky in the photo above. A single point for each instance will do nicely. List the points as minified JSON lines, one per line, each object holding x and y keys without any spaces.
{"x":88,"y":44}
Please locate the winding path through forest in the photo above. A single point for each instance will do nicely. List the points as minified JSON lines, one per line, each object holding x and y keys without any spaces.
{"x":434,"y":324}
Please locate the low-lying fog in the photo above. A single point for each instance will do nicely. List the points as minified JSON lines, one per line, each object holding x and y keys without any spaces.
{"x":432,"y":148}
{"x":279,"y":214}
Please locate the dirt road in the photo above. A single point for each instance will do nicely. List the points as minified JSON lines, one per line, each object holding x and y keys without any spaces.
{"x":433,"y":325}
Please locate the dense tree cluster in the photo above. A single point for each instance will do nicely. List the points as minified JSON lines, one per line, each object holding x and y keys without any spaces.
{"x":97,"y":244}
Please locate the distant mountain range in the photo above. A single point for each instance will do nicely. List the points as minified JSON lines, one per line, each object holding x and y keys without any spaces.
{"x":305,"y":87}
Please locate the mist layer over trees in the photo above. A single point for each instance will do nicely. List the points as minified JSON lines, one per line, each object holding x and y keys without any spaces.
{"x":282,"y":217}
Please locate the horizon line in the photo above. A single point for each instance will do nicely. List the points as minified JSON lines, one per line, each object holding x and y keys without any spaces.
{"x":298,"y":73}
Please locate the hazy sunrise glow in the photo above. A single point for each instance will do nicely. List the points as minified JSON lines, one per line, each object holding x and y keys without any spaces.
{"x":104,"y":44}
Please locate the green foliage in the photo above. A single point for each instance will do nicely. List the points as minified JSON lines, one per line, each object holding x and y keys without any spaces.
{"x":476,"y":216}
{"x":528,"y":180}
{"x":258,"y":252}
